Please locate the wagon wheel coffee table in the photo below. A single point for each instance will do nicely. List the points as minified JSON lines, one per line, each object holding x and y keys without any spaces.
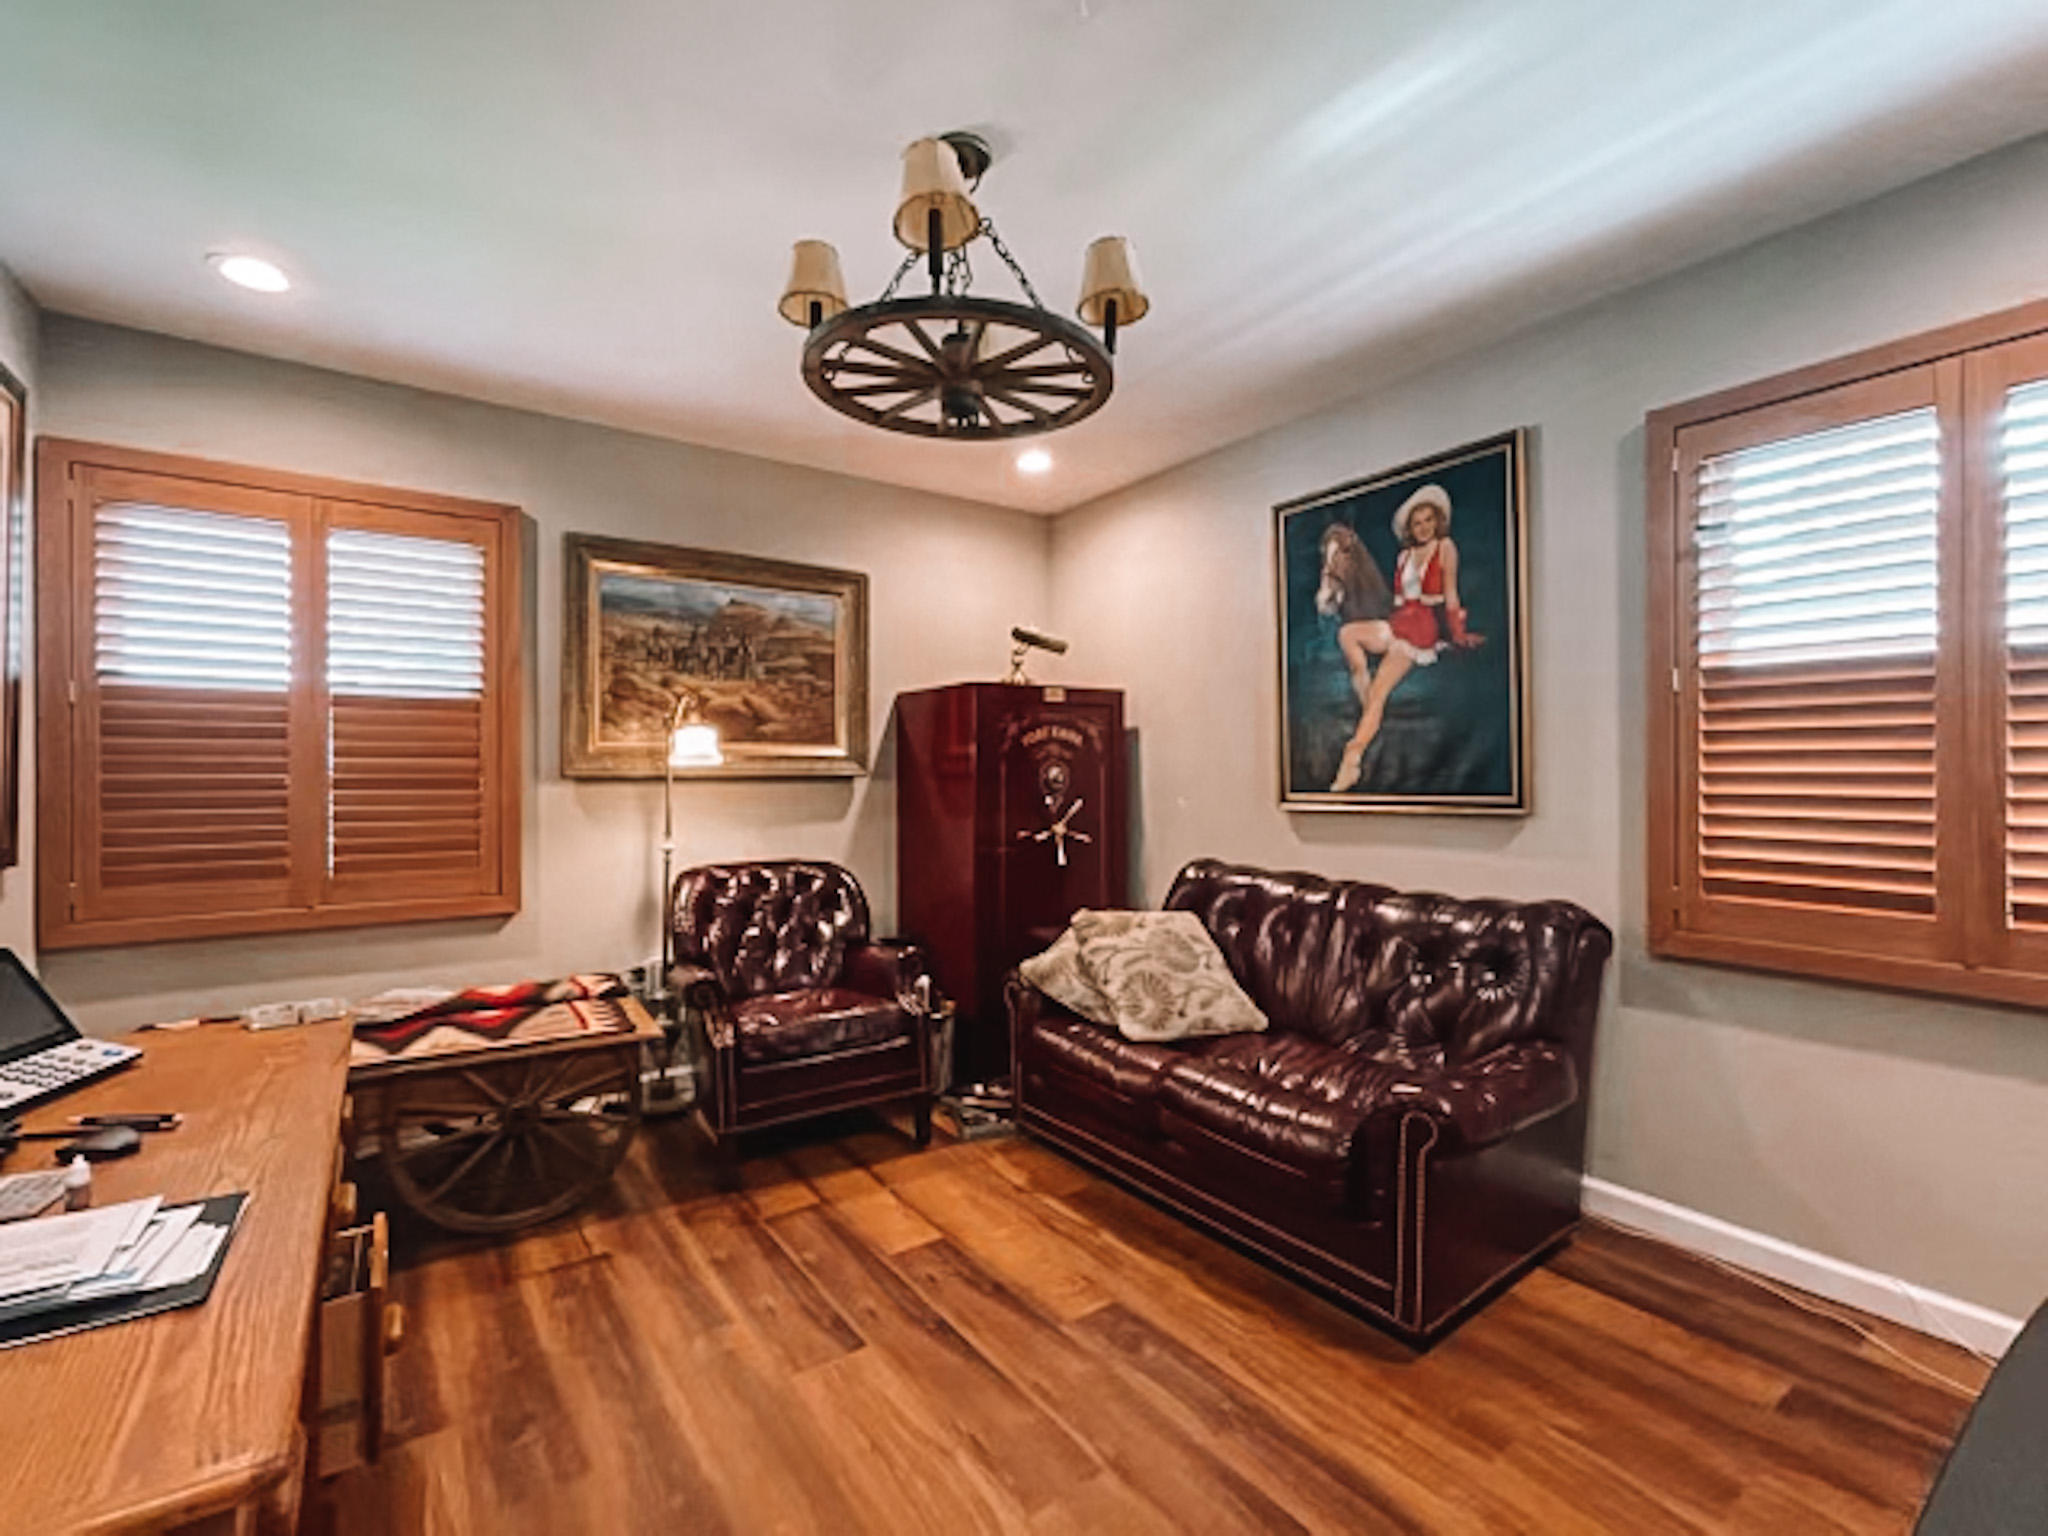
{"x":503,"y":1107}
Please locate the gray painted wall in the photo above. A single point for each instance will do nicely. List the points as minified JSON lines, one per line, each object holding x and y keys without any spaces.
{"x":1907,"y":1135}
{"x":947,"y":578}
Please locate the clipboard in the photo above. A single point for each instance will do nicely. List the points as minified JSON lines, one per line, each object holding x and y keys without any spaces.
{"x":217,"y":1210}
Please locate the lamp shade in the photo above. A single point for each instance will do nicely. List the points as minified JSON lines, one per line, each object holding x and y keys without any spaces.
{"x":932,"y":178}
{"x":695,"y":745}
{"x":1111,"y":273}
{"x":813,"y":279}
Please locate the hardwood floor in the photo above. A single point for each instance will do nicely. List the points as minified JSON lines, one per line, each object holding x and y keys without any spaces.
{"x":984,"y":1337}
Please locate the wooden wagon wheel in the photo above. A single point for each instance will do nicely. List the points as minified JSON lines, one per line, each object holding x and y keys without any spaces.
{"x":502,"y":1145}
{"x":952,"y":366}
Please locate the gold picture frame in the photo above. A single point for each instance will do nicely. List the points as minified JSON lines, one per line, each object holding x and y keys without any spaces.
{"x":1452,"y":732}
{"x":776,"y":652}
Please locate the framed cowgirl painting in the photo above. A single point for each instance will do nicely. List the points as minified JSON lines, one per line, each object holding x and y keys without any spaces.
{"x":1404,"y":654}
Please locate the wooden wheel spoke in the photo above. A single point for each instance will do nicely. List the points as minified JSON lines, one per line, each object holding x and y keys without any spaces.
{"x":931,"y":347}
{"x":1023,"y":349}
{"x":861,"y":391}
{"x":912,"y":403}
{"x":552,"y":1089}
{"x":484,"y":1086}
{"x":612,"y":1082}
{"x":1031,"y":387}
{"x":919,"y":371}
{"x":1070,"y":368}
{"x":1036,"y":413}
{"x":568,"y":1142}
{"x":609,"y":1117}
{"x":413,"y":1110}
{"x":883,"y":349}
{"x":464,"y":1167}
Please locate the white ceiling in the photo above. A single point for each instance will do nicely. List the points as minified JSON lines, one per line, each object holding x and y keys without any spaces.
{"x":586,"y":207}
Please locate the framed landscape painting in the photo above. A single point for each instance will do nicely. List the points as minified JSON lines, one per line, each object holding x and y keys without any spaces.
{"x":776,"y":652}
{"x":1403,"y":606}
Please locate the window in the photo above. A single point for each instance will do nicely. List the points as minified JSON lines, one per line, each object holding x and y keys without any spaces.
{"x":1848,"y":749}
{"x":269,"y":703}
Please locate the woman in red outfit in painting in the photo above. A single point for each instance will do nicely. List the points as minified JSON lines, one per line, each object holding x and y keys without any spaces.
{"x":1425,"y":581}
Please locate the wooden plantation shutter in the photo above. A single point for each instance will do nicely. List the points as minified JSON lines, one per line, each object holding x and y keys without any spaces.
{"x":269,"y":702}
{"x":185,"y":702}
{"x":1816,"y":591}
{"x":2023,"y":519}
{"x":2009,"y":499}
{"x":409,"y":701}
{"x":1848,"y":639}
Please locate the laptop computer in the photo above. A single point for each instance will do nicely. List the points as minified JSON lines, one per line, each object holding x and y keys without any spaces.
{"x":42,"y":1054}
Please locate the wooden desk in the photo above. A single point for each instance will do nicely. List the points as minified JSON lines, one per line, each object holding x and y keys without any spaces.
{"x":193,"y":1417}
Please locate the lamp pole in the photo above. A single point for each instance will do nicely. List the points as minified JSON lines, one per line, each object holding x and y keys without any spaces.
{"x":668,"y":841}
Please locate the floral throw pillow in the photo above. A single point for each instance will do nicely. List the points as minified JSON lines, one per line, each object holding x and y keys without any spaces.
{"x":1059,"y":975}
{"x":1162,"y":976}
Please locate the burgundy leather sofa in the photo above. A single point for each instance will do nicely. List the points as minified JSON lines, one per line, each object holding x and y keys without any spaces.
{"x":800,"y":1013}
{"x":1408,"y":1134}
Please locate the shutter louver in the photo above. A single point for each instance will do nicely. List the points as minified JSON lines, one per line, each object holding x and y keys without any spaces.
{"x":2023,"y":504}
{"x":405,"y":674}
{"x":192,"y":663}
{"x":1817,"y":594}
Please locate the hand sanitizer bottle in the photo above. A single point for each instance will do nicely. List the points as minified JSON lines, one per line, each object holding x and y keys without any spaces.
{"x":78,"y":1185}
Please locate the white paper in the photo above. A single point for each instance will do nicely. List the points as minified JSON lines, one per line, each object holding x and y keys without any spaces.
{"x":58,"y":1250}
{"x":189,"y":1260}
{"x":133,"y":1268}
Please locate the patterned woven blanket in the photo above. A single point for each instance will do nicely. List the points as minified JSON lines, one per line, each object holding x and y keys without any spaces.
{"x":483,"y":1018}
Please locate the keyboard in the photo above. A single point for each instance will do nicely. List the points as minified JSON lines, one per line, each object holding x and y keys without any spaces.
{"x":28,"y":1080}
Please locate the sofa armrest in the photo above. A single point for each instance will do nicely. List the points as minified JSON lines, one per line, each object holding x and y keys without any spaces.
{"x":1026,"y":1005}
{"x":1477,"y":1103}
{"x":701,"y":992}
{"x":886,"y":970}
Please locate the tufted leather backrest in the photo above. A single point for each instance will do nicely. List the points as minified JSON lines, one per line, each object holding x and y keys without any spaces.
{"x":778,"y":925}
{"x":1341,"y":959}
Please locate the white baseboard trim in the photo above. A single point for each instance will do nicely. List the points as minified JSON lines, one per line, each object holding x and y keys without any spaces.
{"x":1914,"y":1306}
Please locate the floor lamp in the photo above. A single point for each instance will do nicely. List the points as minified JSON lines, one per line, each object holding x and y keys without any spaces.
{"x":692,"y":743}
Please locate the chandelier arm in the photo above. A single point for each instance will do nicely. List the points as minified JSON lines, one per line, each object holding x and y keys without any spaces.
{"x":988,"y":228}
{"x":902,"y":272}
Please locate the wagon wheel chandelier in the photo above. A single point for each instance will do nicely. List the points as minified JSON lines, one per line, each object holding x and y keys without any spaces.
{"x":951,"y":363}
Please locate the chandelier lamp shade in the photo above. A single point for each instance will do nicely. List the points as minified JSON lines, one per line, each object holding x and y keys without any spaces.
{"x":952,"y":363}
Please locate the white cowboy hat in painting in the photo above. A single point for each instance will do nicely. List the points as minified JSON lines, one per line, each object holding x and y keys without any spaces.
{"x":1429,"y":496}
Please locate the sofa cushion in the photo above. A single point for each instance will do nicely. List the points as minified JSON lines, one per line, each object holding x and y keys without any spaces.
{"x":1115,"y":1076}
{"x":1294,"y":1105}
{"x":781,"y":1026}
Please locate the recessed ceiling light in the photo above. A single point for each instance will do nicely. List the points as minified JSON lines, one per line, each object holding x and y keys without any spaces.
{"x":251,"y":272}
{"x":1033,"y":461}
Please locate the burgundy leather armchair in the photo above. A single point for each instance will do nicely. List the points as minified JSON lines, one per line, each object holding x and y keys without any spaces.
{"x":1409,"y":1134}
{"x":797,"y":1011}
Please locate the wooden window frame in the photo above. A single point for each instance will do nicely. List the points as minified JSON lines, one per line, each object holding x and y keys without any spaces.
{"x":1977,"y":957}
{"x":64,"y":635}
